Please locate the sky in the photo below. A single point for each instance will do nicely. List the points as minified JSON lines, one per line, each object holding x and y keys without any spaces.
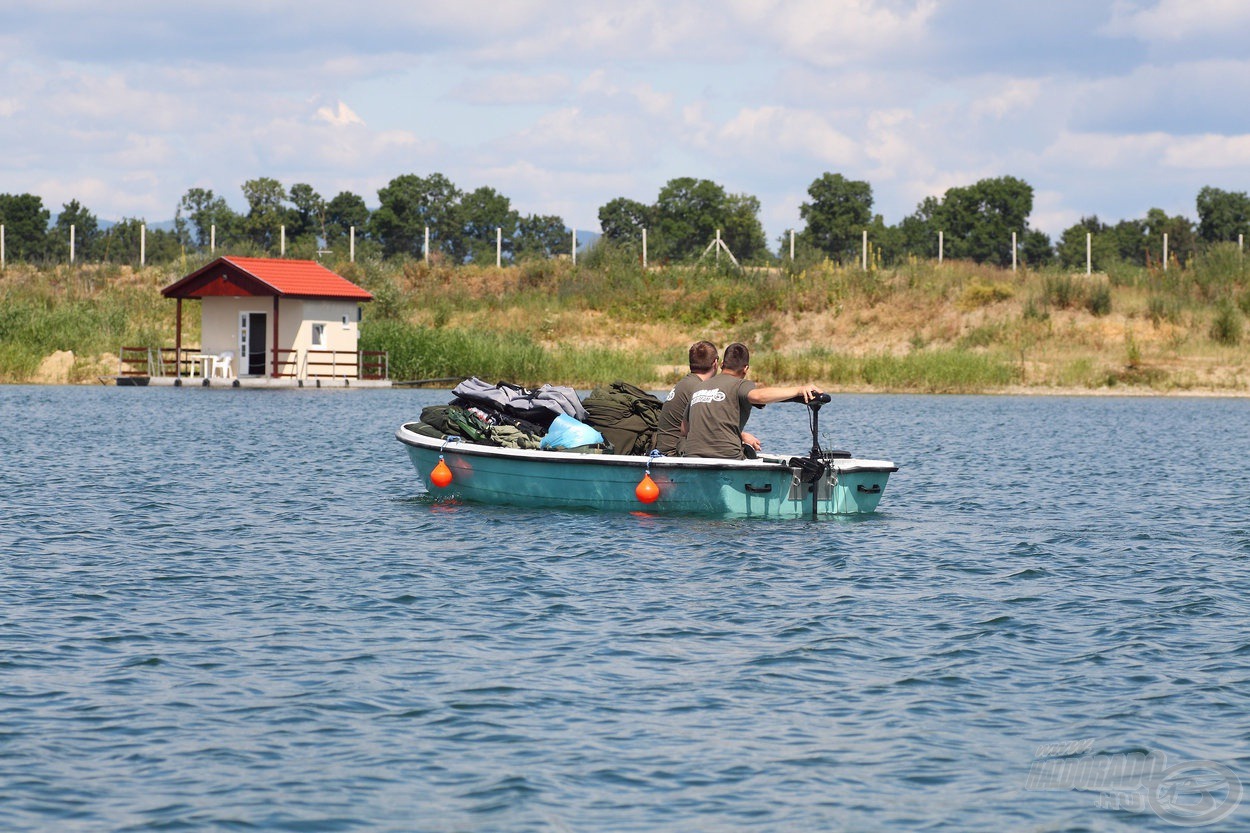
{"x":1105,"y":107}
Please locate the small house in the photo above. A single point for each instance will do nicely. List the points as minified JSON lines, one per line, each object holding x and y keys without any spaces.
{"x":275,"y":318}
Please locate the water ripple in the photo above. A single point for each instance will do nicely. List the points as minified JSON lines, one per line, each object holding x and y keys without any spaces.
{"x":281,"y":632}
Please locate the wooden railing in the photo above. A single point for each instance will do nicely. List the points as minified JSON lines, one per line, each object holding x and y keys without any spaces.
{"x":332,"y":364}
{"x":375,"y":364}
{"x":156,"y":361}
{"x":292,"y":364}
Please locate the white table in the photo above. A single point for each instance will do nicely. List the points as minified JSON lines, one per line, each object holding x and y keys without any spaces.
{"x":204,"y":361}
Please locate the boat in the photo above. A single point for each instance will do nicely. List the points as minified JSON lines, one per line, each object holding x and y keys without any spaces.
{"x":817,"y":484}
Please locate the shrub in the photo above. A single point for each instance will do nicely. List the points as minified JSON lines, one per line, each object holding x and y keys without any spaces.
{"x":1098,"y":299}
{"x":1062,"y":291}
{"x":1160,"y":308}
{"x":1226,"y":326}
{"x":978,"y":294}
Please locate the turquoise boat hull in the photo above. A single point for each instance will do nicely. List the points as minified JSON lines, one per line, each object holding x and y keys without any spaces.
{"x":768,"y":487}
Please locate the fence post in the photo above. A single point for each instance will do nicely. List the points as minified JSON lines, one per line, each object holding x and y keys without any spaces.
{"x":864,"y":249}
{"x":281,"y":241}
{"x":1089,"y":258}
{"x":1013,"y":251}
{"x":574,"y":247}
{"x":791,"y":245}
{"x":644,"y":248}
{"x":1165,"y":251}
{"x":351,"y":244}
{"x":498,"y":247}
{"x":71,"y":244}
{"x":143,"y":245}
{"x":1,"y":245}
{"x":426,"y":249}
{"x":941,"y":245}
{"x":212,"y":238}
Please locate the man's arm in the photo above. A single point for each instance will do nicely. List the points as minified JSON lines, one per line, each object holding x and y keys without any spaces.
{"x":764,"y":396}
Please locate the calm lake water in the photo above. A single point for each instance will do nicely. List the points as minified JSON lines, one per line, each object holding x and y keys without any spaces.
{"x":236,"y":610}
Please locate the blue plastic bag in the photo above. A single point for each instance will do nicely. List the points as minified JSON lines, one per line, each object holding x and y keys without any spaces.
{"x":566,"y":432}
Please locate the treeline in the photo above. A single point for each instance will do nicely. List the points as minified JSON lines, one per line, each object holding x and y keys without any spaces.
{"x":975,"y":222}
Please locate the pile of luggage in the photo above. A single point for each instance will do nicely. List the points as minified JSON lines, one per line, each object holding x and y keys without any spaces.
{"x":616,"y":419}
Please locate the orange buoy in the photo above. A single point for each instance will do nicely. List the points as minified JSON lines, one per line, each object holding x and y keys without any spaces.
{"x":646,"y":490}
{"x":441,"y":476}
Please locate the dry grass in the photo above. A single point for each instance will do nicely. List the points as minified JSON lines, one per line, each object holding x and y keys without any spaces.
{"x":1040,"y":325}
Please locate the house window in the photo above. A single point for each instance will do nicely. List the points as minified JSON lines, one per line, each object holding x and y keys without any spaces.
{"x":346,"y":323}
{"x":318,"y":335}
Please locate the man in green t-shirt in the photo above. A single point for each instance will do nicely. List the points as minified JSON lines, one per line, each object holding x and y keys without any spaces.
{"x":720,"y":407}
{"x":703,"y":361}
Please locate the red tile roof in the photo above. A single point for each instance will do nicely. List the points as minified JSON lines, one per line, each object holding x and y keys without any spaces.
{"x":265,"y":276}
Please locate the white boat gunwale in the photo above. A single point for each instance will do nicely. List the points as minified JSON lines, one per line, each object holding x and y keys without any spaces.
{"x":766,"y":462}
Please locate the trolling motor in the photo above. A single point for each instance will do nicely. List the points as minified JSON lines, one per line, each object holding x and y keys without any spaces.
{"x":812,"y":467}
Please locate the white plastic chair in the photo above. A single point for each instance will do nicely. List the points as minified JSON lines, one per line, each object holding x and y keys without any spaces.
{"x":222,"y":362}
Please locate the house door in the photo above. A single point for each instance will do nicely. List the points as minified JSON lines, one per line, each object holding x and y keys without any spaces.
{"x":252,"y":343}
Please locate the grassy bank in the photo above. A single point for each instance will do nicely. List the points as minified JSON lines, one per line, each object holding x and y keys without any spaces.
{"x":954,"y":327}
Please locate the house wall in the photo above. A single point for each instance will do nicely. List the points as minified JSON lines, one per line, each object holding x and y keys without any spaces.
{"x":219,"y":324}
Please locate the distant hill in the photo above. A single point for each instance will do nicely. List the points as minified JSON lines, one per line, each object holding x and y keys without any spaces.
{"x":586,"y":239}
{"x":105,"y":225}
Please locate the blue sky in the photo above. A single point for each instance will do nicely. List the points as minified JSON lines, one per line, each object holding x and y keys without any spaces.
{"x":1106,"y":107}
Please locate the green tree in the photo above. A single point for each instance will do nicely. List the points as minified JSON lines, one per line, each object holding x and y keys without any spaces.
{"x":919,"y":230}
{"x":409,"y":205}
{"x":1129,"y":239}
{"x":1036,"y":248}
{"x":482,"y":212}
{"x":840,"y":211}
{"x":1222,"y":215}
{"x":25,"y":222}
{"x":1182,"y":237}
{"x":308,"y":221}
{"x":129,"y":242}
{"x":741,"y":228}
{"x":345,"y":212}
{"x":540,"y":236}
{"x":199,"y":214}
{"x":1072,"y":245}
{"x":888,"y":242}
{"x":622,"y":220}
{"x":978,"y":220}
{"x":688,"y":212}
{"x":86,"y":233}
{"x":266,"y":214}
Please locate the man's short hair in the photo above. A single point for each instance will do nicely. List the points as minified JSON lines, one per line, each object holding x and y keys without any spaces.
{"x":702,"y":356}
{"x":737,"y":357}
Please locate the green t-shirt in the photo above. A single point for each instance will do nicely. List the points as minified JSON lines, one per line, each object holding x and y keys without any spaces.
{"x":672,"y":412}
{"x":715,"y":417}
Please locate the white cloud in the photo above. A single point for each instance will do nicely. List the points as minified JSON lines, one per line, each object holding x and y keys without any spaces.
{"x":598,"y":89}
{"x":763,"y":131}
{"x":338,"y":116}
{"x":1175,"y":20}
{"x":573,"y":137}
{"x":513,"y":89}
{"x":838,"y":33}
{"x":1208,"y":153}
{"x":1013,"y":96}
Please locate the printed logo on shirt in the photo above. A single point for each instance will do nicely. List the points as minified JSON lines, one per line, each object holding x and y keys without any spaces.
{"x":671,"y":394}
{"x":703,"y":397}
